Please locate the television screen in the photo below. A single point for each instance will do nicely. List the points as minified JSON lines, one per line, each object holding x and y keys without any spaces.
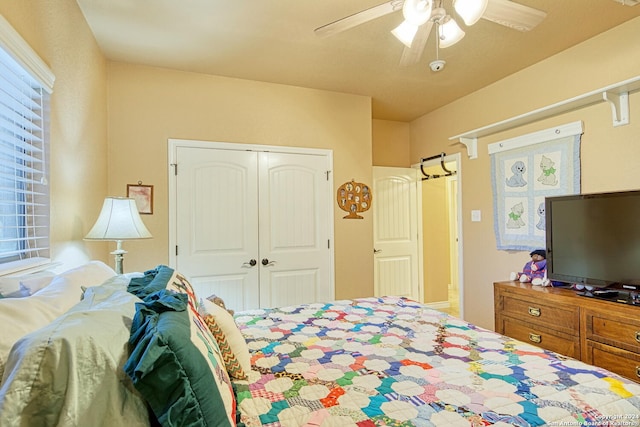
{"x":594,"y":239}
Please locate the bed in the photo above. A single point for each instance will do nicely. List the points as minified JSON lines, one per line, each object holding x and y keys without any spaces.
{"x":172,"y":357}
{"x":394,"y":362}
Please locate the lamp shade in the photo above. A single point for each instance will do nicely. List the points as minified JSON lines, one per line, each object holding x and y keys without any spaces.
{"x":405,"y":32}
{"x":450,"y":33}
{"x":118,"y":220}
{"x":417,"y":12}
{"x":470,"y":10}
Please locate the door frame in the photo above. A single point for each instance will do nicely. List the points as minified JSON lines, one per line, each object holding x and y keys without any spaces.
{"x":174,"y":144}
{"x":457,"y":158}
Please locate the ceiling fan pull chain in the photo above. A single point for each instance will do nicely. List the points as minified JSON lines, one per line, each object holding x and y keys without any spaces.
{"x":437,"y":40}
{"x":438,"y":64}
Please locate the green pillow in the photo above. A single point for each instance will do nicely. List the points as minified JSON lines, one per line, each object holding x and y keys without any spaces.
{"x":178,"y":375}
{"x":152,"y":281}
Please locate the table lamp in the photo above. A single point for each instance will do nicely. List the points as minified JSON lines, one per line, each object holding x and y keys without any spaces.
{"x":118,"y":220}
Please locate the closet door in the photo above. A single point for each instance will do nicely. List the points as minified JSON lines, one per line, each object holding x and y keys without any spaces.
{"x":217,"y":223}
{"x":254,"y":227}
{"x":295,"y":257}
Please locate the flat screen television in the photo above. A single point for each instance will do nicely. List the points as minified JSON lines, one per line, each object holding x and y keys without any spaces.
{"x":594,"y":239}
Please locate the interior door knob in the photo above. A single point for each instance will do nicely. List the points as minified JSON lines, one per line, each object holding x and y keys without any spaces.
{"x":266,"y":262}
{"x":251,"y":263}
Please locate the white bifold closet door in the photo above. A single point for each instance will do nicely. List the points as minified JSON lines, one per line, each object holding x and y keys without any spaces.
{"x":252,"y":227}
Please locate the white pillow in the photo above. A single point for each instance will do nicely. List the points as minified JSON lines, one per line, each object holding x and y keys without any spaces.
{"x":55,"y":375}
{"x":234,"y":337}
{"x":92,"y":273}
{"x":28,"y":314}
{"x":32,"y":283}
{"x":10,"y":287}
{"x":23,"y":285}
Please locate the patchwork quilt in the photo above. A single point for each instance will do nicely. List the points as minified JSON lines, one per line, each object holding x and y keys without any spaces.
{"x":394,"y":362}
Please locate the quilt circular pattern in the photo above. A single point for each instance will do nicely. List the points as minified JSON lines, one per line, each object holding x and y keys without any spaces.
{"x":393,"y":362}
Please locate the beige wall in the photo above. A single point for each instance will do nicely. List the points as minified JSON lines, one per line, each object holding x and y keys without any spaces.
{"x":391,"y":143}
{"x":58,"y":33}
{"x":435,"y":245}
{"x":147,"y":106}
{"x":609,"y":155}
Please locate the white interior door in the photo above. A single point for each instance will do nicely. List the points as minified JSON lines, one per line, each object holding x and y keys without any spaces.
{"x":254,"y":227}
{"x":294,"y":230}
{"x":216,"y":223}
{"x":397,"y":256}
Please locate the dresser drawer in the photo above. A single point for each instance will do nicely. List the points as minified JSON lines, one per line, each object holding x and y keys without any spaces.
{"x":562,"y":318}
{"x":616,"y":360}
{"x":548,"y":339}
{"x":607,"y":328}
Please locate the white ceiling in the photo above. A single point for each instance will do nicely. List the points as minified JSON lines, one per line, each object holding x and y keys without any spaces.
{"x":274,"y":41}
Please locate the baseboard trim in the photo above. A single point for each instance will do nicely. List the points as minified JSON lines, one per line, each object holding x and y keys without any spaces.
{"x":438,"y":305}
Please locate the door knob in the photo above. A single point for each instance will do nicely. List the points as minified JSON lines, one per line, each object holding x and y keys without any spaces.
{"x":376,"y":251}
{"x":266,"y":262}
{"x":251,"y":263}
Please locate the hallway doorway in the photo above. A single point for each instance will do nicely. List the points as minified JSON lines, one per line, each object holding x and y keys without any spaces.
{"x":442,"y":238}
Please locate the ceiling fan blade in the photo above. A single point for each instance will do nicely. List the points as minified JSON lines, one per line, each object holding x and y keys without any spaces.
{"x":513,"y":15}
{"x":356,"y":19}
{"x":413,"y":54}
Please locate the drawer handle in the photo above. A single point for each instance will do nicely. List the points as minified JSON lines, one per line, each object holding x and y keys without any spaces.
{"x":534,"y":311}
{"x":638,"y":336}
{"x":538,"y":339}
{"x":638,"y":371}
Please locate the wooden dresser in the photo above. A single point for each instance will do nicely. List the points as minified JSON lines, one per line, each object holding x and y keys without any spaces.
{"x":602,"y":333}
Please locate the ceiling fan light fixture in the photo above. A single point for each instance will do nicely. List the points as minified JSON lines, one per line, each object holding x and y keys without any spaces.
{"x":449,"y":33}
{"x":405,"y":32}
{"x":417,"y":12}
{"x":470,"y":10}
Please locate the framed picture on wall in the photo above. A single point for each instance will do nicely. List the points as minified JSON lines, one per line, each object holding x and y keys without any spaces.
{"x":143,"y":195}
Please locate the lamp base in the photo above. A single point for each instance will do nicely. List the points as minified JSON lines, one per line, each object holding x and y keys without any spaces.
{"x":119,"y":256}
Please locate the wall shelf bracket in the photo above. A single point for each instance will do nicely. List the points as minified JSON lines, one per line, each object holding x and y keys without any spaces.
{"x":617,"y":95}
{"x":619,"y":103}
{"x":472,"y":146}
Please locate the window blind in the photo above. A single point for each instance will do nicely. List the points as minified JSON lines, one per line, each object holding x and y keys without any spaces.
{"x":24,"y":190}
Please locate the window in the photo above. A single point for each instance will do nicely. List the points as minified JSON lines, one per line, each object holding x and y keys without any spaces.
{"x":25,"y":88}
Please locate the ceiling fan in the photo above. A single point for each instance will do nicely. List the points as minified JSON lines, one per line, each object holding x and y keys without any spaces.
{"x":421,"y":15}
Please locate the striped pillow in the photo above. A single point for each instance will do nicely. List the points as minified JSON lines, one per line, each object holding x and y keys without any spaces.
{"x":231,"y":362}
{"x":234,"y":340}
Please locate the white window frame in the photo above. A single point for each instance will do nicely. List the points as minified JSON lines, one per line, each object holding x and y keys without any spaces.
{"x":24,"y":61}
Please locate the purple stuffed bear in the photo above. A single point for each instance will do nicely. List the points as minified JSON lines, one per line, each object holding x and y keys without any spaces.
{"x":534,"y":269}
